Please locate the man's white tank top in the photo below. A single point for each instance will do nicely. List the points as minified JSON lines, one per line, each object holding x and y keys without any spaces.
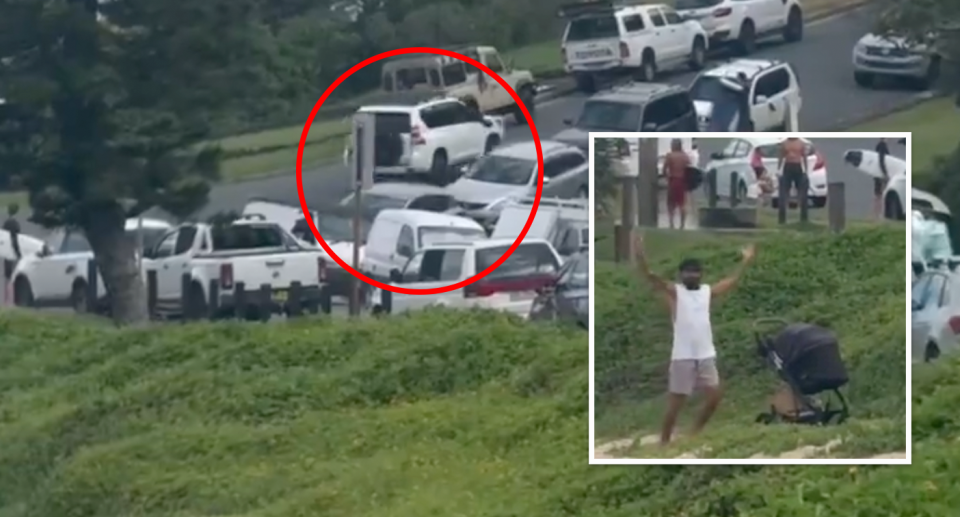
{"x":692,"y":332}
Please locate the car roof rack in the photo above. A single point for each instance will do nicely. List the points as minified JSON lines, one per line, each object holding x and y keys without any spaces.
{"x":596,"y":7}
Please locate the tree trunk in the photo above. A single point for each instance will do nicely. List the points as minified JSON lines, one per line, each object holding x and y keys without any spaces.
{"x":116,"y":257}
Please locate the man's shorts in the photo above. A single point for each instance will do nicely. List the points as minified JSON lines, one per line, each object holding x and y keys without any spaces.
{"x":688,"y":375}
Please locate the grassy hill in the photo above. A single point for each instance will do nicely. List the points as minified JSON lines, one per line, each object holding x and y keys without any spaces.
{"x":442,"y":413}
{"x":852,"y":284}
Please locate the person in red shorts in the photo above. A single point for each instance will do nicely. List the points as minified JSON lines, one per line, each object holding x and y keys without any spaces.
{"x":675,"y":165}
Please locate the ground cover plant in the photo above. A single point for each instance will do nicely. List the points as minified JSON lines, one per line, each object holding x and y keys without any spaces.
{"x":852,"y":284}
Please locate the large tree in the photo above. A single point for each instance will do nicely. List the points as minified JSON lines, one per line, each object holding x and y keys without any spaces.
{"x":109,"y":102}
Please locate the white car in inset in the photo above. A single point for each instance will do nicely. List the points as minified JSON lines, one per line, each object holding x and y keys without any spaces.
{"x":733,"y":170}
{"x":935,"y":307}
{"x":895,"y":193}
{"x":743,"y":22}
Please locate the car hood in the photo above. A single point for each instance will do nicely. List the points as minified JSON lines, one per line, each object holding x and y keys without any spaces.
{"x":466,"y":190}
{"x":875,"y":40}
{"x":573,"y":136}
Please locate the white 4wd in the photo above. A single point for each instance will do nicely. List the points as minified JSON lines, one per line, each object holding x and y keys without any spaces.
{"x":429,"y":137}
{"x":771,"y":88}
{"x":742,"y":22}
{"x":604,"y":38}
{"x":454,"y":78}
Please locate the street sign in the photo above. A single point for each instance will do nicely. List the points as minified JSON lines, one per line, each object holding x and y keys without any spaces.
{"x":364,"y":129}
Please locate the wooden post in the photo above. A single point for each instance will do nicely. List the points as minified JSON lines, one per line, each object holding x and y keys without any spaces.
{"x":837,"y":206}
{"x":621,"y":242}
{"x":152,"y":293}
{"x":386,"y":301}
{"x":648,"y":184}
{"x":240,"y":300}
{"x":326,"y":299}
{"x":213,"y":299}
{"x":628,"y":210}
{"x":187,"y":308}
{"x":92,"y":281}
{"x":266,"y":302}
{"x":710,"y":187}
{"x":734,"y":190}
{"x":294,"y":301}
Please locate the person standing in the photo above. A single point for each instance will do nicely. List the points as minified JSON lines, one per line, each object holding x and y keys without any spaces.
{"x":693,"y":360}
{"x":675,"y":165}
{"x":880,"y":184}
{"x":12,"y":226}
{"x":793,"y":166}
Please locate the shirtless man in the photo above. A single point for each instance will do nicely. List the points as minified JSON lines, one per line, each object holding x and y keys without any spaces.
{"x":675,"y":165}
{"x":793,"y":166}
{"x":693,"y":361}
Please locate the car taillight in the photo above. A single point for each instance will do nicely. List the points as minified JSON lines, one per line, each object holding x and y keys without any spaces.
{"x":820,"y":163}
{"x":721,"y":12}
{"x":321,"y":270}
{"x":624,"y":50}
{"x":489,"y":288}
{"x":226,"y":276}
{"x":416,"y":136}
{"x":563,"y":55}
{"x":954,"y":323}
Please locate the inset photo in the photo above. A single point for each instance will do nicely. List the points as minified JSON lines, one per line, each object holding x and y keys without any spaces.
{"x":749,"y":299}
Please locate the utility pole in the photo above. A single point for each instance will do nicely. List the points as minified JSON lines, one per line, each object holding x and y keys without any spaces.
{"x":363,"y":162}
{"x":648,"y":183}
{"x":628,"y":202}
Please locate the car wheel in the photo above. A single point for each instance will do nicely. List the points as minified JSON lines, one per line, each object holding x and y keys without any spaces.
{"x":438,"y":167}
{"x":648,"y":67}
{"x":931,"y":352}
{"x":747,"y":40}
{"x":528,"y":97}
{"x":586,"y":83}
{"x":78,"y":298}
{"x":864,"y":79}
{"x":492,"y":142}
{"x":22,"y":293}
{"x":793,"y":31}
{"x":892,"y":208}
{"x":698,"y":54}
{"x":196,"y":308}
{"x":818,"y":201}
{"x":742,"y":192}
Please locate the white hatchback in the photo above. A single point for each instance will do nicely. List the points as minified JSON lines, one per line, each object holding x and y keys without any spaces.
{"x":935,"y":308}
{"x":733,"y":170}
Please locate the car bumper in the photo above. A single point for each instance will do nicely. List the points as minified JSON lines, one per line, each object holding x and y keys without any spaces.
{"x":914,"y":66}
{"x":595,"y":67}
{"x":279,"y":301}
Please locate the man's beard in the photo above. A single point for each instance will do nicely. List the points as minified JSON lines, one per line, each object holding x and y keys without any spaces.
{"x":692,"y":284}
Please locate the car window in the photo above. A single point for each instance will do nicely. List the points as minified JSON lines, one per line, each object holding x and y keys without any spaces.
{"x":242,"y":237}
{"x":593,"y":27}
{"x":441,"y":266}
{"x":575,"y":273}
{"x":454,"y":73}
{"x":388,"y":82}
{"x":492,"y":60}
{"x":408,"y":78}
{"x":657,"y":19}
{"x":167,"y":245}
{"x":772,"y":84}
{"x":185,"y":240}
{"x":633,"y":23}
{"x":730,"y":149}
{"x":431,"y":235}
{"x":561,"y":164}
{"x":535,"y":258}
{"x":659,"y":113}
{"x":442,"y":114}
{"x":671,"y":16}
{"x":74,"y":242}
{"x":431,"y":203}
{"x":405,"y":242}
{"x":697,"y":4}
{"x":602,"y":115}
{"x":506,"y":170}
{"x":741,"y":150}
{"x":411,"y":271}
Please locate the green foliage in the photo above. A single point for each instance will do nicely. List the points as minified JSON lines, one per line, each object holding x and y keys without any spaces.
{"x":852,"y":284}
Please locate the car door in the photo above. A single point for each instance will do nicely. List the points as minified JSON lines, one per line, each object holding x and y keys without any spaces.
{"x":494,"y":96}
{"x":567,"y":173}
{"x":661,"y":39}
{"x":731,"y":160}
{"x":680,"y":39}
{"x":52,"y":277}
{"x":766,"y":101}
{"x":635,"y":34}
{"x":926,"y":295}
{"x":174,"y":252}
{"x":430,"y":269}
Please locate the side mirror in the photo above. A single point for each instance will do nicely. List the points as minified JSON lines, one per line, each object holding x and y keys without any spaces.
{"x":395,"y":276}
{"x":568,"y":121}
{"x":716,"y":156}
{"x":45,"y":251}
{"x":649,"y":127}
{"x":760,"y":99}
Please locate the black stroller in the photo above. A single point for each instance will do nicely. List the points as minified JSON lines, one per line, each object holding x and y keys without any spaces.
{"x":807,"y":358}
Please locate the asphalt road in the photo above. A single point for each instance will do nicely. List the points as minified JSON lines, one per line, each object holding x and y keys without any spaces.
{"x":822,"y":61}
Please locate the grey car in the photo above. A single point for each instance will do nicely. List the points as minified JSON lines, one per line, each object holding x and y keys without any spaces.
{"x":892,"y":56}
{"x":632,"y":107}
{"x":569,"y":298}
{"x":510,"y":172}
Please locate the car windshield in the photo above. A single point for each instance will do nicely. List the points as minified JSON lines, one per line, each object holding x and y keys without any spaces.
{"x":247,"y":236}
{"x":578,"y":274}
{"x":433,"y":235}
{"x":151,"y":236}
{"x":506,"y":170}
{"x":372,"y":204}
{"x":529,"y":259}
{"x":609,"y":116}
{"x":594,"y":27}
{"x":696,"y":4}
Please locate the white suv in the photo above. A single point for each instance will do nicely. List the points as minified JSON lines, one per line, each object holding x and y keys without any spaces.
{"x":742,"y":22}
{"x":604,"y":38}
{"x":771,"y":86}
{"x":429,"y":137}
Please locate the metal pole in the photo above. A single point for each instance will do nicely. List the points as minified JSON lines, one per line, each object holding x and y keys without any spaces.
{"x":364,"y":161}
{"x":357,"y":221}
{"x":139,"y":245}
{"x":648,"y":183}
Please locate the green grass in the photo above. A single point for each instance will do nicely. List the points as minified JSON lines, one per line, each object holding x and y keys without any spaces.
{"x":801,"y":276}
{"x":933,"y":124}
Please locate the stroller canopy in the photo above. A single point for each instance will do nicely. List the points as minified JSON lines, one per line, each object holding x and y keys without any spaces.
{"x":811,"y":355}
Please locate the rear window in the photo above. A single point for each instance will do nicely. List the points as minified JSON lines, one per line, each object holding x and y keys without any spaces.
{"x":594,"y":27}
{"x":773,"y":150}
{"x":609,"y":116}
{"x":392,"y":123}
{"x":454,"y":73}
{"x":696,"y":4}
{"x":408,"y":78}
{"x":529,"y":259}
{"x":247,"y":236}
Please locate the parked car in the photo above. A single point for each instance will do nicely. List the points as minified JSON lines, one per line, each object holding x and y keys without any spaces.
{"x":251,"y":251}
{"x":876,"y":56}
{"x":935,"y":318}
{"x":569,"y":298}
{"x":603,"y":39}
{"x":772,"y":87}
{"x":732,"y":168}
{"x":397,"y":235}
{"x":741,"y":24}
{"x":511,"y":287}
{"x":565,"y":224}
{"x":56,"y":275}
{"x":895,"y":193}
{"x":510,"y":173}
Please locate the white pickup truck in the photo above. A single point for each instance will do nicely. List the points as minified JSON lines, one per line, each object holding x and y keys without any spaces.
{"x":511,"y":287}
{"x":250,"y":251}
{"x":56,"y":274}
